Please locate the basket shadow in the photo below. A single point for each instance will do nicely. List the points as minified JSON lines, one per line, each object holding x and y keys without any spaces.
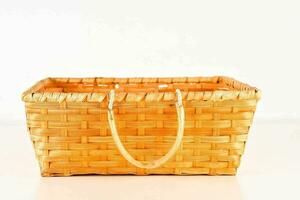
{"x":139,"y":187}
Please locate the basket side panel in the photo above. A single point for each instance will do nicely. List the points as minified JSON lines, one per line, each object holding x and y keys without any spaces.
{"x":74,"y":137}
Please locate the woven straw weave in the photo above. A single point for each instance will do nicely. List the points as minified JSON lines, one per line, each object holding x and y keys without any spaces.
{"x":67,"y":119}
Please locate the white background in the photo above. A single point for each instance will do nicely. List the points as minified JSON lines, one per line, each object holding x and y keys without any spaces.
{"x":254,"y":41}
{"x":257,"y":42}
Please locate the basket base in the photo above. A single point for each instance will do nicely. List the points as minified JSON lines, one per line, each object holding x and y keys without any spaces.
{"x":223,"y":172}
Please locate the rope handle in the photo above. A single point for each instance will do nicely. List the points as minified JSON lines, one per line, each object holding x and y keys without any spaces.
{"x":124,"y":152}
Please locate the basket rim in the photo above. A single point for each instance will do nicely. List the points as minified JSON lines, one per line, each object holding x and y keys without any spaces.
{"x":238,"y":90}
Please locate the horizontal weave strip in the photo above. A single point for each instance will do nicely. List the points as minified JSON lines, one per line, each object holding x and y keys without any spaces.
{"x":159,"y":96}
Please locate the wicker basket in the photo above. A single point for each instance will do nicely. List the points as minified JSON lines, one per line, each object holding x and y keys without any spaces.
{"x":196,"y":125}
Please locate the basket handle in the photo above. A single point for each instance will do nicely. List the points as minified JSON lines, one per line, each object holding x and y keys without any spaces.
{"x":124,"y":152}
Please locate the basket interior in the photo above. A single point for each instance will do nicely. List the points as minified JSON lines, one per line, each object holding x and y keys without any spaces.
{"x":94,"y":85}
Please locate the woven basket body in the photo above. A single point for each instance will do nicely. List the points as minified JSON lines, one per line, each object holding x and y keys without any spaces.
{"x":71,"y":129}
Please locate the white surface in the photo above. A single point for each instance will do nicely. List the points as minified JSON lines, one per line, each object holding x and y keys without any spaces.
{"x":269,"y":170}
{"x":255,"y":41}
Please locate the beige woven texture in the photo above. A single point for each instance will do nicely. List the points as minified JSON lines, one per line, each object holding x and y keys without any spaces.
{"x":67,"y":119}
